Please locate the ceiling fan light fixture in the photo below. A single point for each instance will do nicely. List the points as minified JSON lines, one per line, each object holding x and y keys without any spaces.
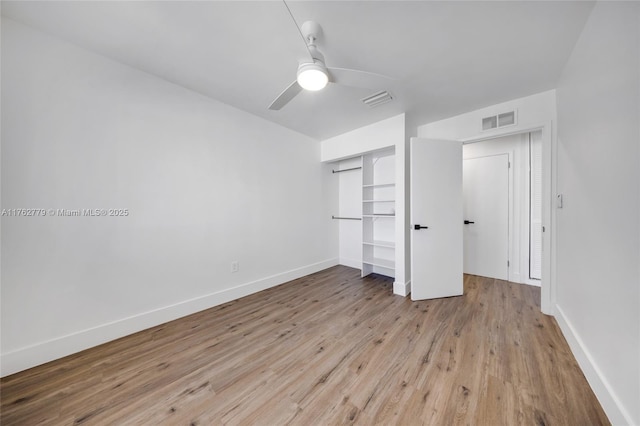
{"x":312,"y":76}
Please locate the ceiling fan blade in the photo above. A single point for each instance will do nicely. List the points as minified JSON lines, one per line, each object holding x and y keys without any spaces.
{"x":361,"y":79}
{"x":286,"y":95}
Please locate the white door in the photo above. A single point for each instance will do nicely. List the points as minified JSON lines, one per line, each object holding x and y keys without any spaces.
{"x":436,"y":218}
{"x":486,"y":216}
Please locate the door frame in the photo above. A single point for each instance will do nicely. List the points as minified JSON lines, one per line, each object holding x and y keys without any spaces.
{"x":549,"y":186}
{"x":519,"y":233}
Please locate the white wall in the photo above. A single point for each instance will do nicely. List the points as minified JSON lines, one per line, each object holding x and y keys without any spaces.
{"x":598,"y":282}
{"x":205,"y":184}
{"x":383,"y":134}
{"x":532,"y":111}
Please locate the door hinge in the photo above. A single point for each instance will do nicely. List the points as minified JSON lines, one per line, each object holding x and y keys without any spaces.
{"x":508,"y":264}
{"x":509,"y":163}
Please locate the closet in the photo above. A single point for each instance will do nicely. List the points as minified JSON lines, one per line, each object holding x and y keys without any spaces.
{"x":367,"y":212}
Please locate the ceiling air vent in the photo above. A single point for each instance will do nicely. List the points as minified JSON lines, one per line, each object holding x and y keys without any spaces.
{"x":500,"y":120}
{"x":378,"y":98}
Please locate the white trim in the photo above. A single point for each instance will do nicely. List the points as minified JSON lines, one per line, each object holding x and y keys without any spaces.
{"x":549,"y":217}
{"x":547,"y":284}
{"x":402,"y":289}
{"x":59,"y":347}
{"x":352,"y":263}
{"x":509,"y":132}
{"x":611,"y":404}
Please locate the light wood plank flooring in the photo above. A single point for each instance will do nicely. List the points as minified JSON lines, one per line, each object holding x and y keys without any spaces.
{"x":329,"y":348}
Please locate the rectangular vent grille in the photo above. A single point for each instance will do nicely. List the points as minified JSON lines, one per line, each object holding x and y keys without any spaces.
{"x":378,"y":98}
{"x":489,"y":123}
{"x":499,"y":120}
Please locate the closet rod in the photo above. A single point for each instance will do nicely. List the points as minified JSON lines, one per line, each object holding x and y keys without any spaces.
{"x":346,"y":170}
{"x":346,"y":218}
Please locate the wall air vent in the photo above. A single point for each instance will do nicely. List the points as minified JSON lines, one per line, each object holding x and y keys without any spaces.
{"x":378,"y":98}
{"x":500,"y":120}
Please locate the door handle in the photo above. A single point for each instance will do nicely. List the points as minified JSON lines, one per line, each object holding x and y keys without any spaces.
{"x":466,"y":222}
{"x":419,"y":227}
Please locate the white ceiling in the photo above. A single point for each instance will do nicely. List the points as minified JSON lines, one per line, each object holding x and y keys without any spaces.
{"x":447,"y":57}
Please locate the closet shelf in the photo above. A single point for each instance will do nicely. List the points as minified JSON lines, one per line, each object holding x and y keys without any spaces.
{"x":380,"y":243}
{"x":378,"y":185}
{"x":383,"y":263}
{"x":378,"y":198}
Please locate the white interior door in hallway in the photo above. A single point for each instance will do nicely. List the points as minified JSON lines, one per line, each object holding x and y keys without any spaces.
{"x":486,"y":216}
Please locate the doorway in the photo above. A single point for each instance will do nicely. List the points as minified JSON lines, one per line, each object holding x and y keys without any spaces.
{"x":503,"y":188}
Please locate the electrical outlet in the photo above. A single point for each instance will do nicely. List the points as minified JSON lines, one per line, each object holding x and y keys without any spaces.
{"x":235,"y":266}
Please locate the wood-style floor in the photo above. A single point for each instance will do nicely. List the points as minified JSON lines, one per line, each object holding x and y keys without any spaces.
{"x":330,"y":348}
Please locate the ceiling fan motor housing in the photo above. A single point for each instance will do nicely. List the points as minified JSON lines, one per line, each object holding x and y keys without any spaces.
{"x":311,"y":30}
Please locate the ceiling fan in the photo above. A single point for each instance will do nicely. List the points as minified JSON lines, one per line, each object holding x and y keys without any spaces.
{"x":314,"y":75}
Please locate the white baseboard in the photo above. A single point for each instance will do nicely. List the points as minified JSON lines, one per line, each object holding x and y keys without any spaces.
{"x":534,"y":283}
{"x":611,"y":404}
{"x":402,"y":289}
{"x":40,"y":353}
{"x":514,"y":277}
{"x":352,"y":263}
